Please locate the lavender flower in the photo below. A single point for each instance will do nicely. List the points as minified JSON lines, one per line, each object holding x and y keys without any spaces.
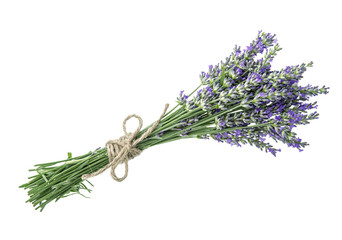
{"x":243,"y":101}
{"x":182,"y":98}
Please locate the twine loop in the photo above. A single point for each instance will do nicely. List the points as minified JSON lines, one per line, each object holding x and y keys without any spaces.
{"x":121,"y":150}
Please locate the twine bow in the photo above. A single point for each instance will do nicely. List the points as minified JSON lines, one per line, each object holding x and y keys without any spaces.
{"x":123,"y":149}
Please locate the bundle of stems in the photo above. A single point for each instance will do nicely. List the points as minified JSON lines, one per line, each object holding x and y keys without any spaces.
{"x":239,"y":101}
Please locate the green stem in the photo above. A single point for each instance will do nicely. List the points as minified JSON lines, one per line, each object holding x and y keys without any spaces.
{"x":207,"y":121}
{"x":166,"y":116}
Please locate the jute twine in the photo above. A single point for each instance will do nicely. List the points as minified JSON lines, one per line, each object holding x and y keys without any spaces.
{"x":123,"y":149}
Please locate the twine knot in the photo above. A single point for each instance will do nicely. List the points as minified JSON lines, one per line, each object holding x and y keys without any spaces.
{"x":121,"y":150}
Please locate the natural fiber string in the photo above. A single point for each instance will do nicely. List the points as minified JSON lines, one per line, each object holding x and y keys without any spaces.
{"x":123,"y":149}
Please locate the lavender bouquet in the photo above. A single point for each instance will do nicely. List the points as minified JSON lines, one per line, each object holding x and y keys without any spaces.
{"x":239,"y":101}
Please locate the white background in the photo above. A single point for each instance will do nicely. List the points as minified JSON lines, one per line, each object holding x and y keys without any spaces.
{"x":71,"y":71}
